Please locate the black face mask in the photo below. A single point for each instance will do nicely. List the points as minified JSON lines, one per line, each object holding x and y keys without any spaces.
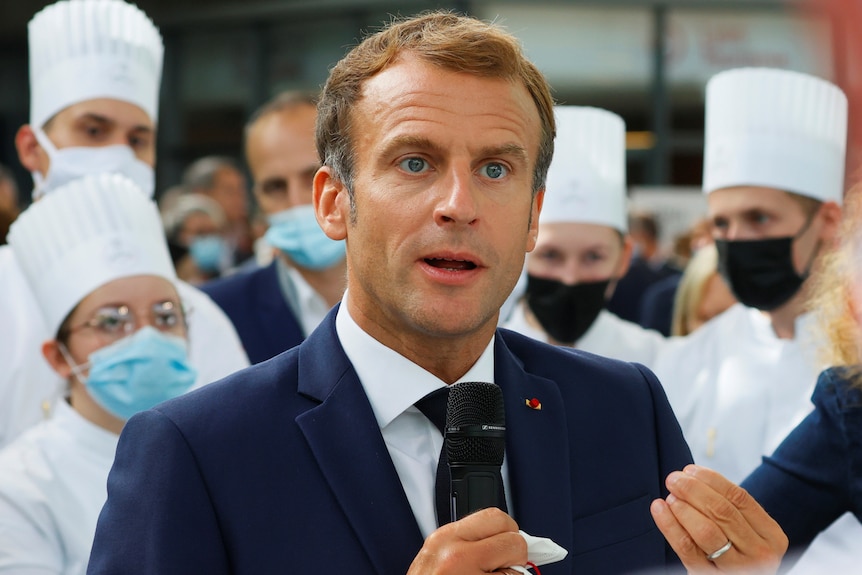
{"x":760,"y":273}
{"x":565,"y":312}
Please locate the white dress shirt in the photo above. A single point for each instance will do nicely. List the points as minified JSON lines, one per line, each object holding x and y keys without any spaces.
{"x":308,"y":307}
{"x":393,"y":384}
{"x":52,"y":489}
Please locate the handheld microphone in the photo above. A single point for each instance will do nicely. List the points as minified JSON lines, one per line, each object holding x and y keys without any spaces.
{"x":475,"y":442}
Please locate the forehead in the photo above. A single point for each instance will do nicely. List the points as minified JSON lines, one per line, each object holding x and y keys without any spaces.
{"x":118,"y":112}
{"x":197,"y":219}
{"x":283,"y":133}
{"x":414,"y":94}
{"x":577,"y":235}
{"x":728,"y":201}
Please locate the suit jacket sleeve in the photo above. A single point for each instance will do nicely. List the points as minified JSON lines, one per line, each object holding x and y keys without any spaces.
{"x":161,"y":521}
{"x":808,"y":481}
{"x":674,"y":453}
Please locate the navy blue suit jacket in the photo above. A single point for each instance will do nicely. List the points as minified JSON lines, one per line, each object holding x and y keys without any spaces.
{"x":815,"y":475}
{"x":255,"y":305}
{"x":281,"y":467}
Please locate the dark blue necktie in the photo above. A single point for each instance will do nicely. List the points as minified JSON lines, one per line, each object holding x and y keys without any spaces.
{"x":433,"y":406}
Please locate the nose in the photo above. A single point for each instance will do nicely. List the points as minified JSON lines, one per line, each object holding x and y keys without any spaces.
{"x":733,"y":232}
{"x":457,"y":204}
{"x":570,"y":274}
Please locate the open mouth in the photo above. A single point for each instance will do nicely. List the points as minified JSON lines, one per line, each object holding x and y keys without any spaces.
{"x":450,"y":265}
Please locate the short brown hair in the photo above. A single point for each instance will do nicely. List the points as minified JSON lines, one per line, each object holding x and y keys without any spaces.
{"x":444,"y":39}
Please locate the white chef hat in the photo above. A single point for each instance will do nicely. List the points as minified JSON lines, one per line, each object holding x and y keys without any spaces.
{"x":587,"y":178}
{"x":776,"y":129}
{"x":100,"y":228}
{"x":86,"y":49}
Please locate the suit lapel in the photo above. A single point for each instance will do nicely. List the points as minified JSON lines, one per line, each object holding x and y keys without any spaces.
{"x":537,"y":453}
{"x":343,"y":434}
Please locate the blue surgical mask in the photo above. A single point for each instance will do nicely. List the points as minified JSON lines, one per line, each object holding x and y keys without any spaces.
{"x":297,"y":233}
{"x":209,"y":252}
{"x":136,"y":372}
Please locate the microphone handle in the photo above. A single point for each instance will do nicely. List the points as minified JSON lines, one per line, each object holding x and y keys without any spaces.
{"x":474,"y":487}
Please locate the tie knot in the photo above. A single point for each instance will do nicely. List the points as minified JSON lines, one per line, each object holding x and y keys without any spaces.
{"x":433,"y":406}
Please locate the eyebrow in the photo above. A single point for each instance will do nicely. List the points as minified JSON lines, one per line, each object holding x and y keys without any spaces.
{"x":411,"y":142}
{"x":506,"y":150}
{"x":106,"y":120}
{"x":424,"y":144}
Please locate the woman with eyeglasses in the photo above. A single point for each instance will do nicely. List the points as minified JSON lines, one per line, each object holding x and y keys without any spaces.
{"x":96,"y":258}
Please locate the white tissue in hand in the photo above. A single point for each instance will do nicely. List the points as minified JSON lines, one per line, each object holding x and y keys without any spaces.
{"x":540,"y":551}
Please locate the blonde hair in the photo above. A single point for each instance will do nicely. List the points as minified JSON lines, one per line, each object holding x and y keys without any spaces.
{"x":832,"y":298}
{"x":441,"y":38}
{"x":689,"y":293}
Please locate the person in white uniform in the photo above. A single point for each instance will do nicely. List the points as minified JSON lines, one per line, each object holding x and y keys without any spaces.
{"x":95,"y":68}
{"x":583,"y":247}
{"x":773,"y":175}
{"x":95,"y":258}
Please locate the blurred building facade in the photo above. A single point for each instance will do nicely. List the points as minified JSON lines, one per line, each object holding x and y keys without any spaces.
{"x":644,"y":59}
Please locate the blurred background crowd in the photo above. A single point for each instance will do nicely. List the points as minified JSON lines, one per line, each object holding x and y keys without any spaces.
{"x":647,"y":61}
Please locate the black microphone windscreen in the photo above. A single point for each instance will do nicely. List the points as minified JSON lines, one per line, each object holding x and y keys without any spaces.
{"x":476,"y":409}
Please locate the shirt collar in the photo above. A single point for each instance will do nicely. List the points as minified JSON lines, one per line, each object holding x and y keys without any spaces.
{"x":307,"y":305}
{"x":392,"y":382}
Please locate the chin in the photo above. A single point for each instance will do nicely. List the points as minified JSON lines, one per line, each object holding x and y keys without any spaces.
{"x":455,"y":322}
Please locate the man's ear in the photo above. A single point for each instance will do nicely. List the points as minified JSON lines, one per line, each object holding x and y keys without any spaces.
{"x":830,"y":214}
{"x":54,"y":357}
{"x":331,"y":203}
{"x":626,"y":258}
{"x":535,"y":211}
{"x":30,"y":153}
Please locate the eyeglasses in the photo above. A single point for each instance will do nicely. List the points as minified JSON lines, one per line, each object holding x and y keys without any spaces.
{"x":115,"y":322}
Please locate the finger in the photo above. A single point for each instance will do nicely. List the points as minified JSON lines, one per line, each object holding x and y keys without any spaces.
{"x":709,"y":517}
{"x":483,"y":524}
{"x":708,"y":536}
{"x":749,"y":551}
{"x":445,"y":552}
{"x":691,"y":555}
{"x":757,"y":517}
{"x":501,"y":551}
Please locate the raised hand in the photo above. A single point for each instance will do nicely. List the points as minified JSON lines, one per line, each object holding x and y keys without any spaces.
{"x":716,"y":526}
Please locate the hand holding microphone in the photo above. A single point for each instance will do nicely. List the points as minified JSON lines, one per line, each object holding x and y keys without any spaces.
{"x":482,"y":538}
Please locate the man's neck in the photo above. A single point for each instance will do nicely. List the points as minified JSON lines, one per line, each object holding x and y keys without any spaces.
{"x":447,"y":358}
{"x":783,"y":319}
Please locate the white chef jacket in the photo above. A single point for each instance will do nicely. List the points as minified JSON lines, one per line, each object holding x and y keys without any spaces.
{"x":738,"y":390}
{"x":28,"y":385}
{"x":52,"y":489}
{"x":609,"y":336}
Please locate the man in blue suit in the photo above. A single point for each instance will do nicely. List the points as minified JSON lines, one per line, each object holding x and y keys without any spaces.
{"x":436,"y":135}
{"x":274,"y":308}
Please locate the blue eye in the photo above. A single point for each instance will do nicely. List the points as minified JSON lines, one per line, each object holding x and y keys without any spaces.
{"x":494,"y":170}
{"x":414,"y":165}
